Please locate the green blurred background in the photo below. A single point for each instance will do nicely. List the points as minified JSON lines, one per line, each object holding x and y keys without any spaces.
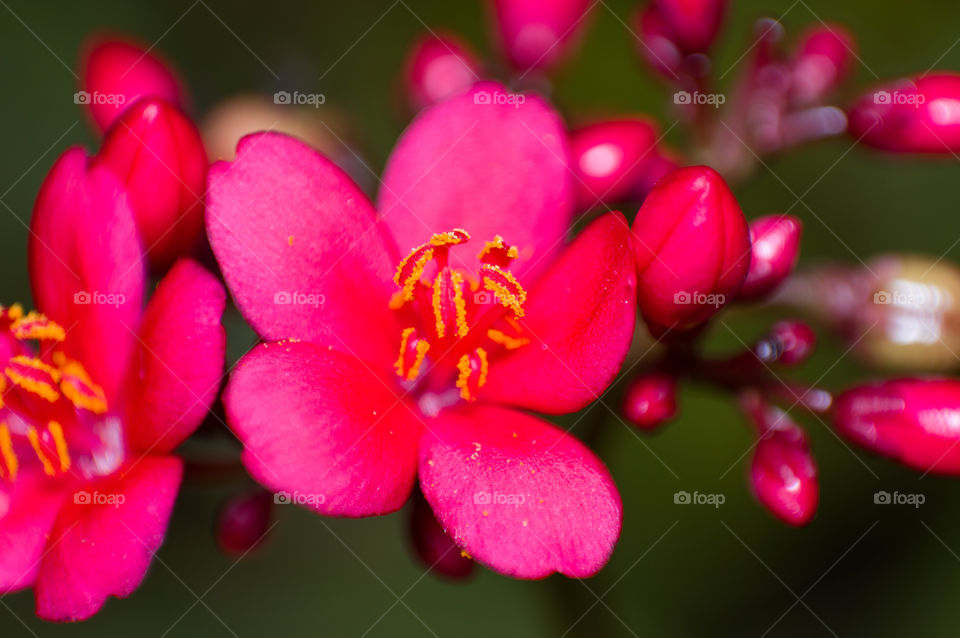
{"x":858,"y":569}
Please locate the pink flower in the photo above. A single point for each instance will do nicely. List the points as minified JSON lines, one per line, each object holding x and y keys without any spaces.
{"x":915,"y":421}
{"x":536,"y":34}
{"x":911,"y":116}
{"x":692,"y":247}
{"x":438,"y":67}
{"x":158,"y":154}
{"x":98,"y":393}
{"x":823,"y":60}
{"x":775,"y":241}
{"x":380,"y":368}
{"x":116,"y":73}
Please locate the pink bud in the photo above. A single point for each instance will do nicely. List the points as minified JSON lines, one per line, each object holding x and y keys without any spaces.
{"x":915,"y":421}
{"x":651,"y":400}
{"x":436,"y":550}
{"x":656,"y":44}
{"x":535,"y":34}
{"x":243,"y":522}
{"x":438,"y":67}
{"x":789,"y":342}
{"x":157,"y":151}
{"x":824,"y":58}
{"x":116,"y":73}
{"x":912,"y":116}
{"x":775,"y":241}
{"x":615,"y":160}
{"x":692,"y":247}
{"x":783,"y":474}
{"x":691,"y":25}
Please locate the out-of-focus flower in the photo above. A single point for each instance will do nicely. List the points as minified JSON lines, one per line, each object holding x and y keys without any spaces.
{"x":914,"y":421}
{"x":789,"y":342}
{"x":919,"y":115}
{"x":156,"y":151}
{"x":92,"y":413}
{"x":617,"y":160}
{"x":378,"y":368}
{"x":693,"y":249}
{"x":775,"y":243}
{"x":536,"y":34}
{"x":116,"y":73}
{"x":243,"y":522}
{"x":651,"y":400}
{"x":673,"y":30}
{"x":823,"y":60}
{"x":436,"y":550}
{"x":439,"y":66}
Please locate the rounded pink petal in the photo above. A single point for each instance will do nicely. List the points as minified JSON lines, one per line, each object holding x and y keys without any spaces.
{"x":519,"y":494}
{"x":180,"y":358}
{"x":535,"y":34}
{"x":438,"y":66}
{"x":580,"y":319}
{"x":116,"y":73}
{"x":488,"y":161}
{"x":103,"y":542}
{"x":300,"y":248}
{"x":323,"y":429}
{"x":27,"y":514}
{"x":86,"y":266}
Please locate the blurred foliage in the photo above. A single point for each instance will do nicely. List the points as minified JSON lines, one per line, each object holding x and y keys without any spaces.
{"x":858,"y":569}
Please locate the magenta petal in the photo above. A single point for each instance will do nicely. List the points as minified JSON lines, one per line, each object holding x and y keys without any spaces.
{"x":536,"y":34}
{"x":488,"y":161}
{"x":580,"y":319}
{"x":106,"y":538}
{"x":299,"y":248}
{"x":519,"y":494}
{"x":86,"y":266}
{"x":180,"y":362}
{"x":27,"y":514}
{"x":323,"y":428}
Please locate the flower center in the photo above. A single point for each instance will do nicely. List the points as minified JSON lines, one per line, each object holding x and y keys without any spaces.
{"x":458,"y":319}
{"x":52,"y":415}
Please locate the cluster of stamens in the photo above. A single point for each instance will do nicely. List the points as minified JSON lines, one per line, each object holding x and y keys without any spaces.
{"x":455,"y":302}
{"x":38,"y":393}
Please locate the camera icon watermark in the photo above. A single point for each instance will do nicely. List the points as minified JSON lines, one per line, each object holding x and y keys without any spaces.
{"x":297,"y":298}
{"x":909,"y":98}
{"x":299,"y":99}
{"x":697,"y":498}
{"x":298,"y":498}
{"x":498,"y":498}
{"x":716,"y":100}
{"x":98,"y":98}
{"x":84,"y":497}
{"x":499,"y":98}
{"x":685,"y":298}
{"x":897,"y":498}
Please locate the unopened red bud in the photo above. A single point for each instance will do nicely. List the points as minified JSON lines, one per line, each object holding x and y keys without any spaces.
{"x":536,"y":34}
{"x":775,"y":241}
{"x":789,"y":342}
{"x":651,"y":400}
{"x":914,"y":421}
{"x":243,"y":522}
{"x":824,"y":58}
{"x":436,"y":550}
{"x":692,"y":247}
{"x":116,"y":73}
{"x":677,"y":28}
{"x":911,"y":116}
{"x":438,"y":67}
{"x":614,"y":160}
{"x":157,"y":152}
{"x":783,"y":474}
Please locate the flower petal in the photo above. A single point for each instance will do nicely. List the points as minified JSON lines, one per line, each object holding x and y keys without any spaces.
{"x":299,"y":247}
{"x":323,"y":429}
{"x":106,"y":539}
{"x":580,"y":320}
{"x":180,"y":358}
{"x":86,"y":266}
{"x":27,"y":514}
{"x":519,"y":494}
{"x":488,"y":161}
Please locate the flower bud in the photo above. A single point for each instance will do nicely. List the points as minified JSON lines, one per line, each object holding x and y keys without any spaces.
{"x":783,"y":474}
{"x":914,"y":421}
{"x":775,"y":242}
{"x":243,"y":522}
{"x":690,"y":26}
{"x":117,"y":73}
{"x":436,"y":550}
{"x":692,"y":247}
{"x":616,"y":160}
{"x":157,"y":152}
{"x":651,"y":400}
{"x":789,"y":342}
{"x":438,"y":67}
{"x":824,"y":58}
{"x":535,"y":34}
{"x":911,"y":116}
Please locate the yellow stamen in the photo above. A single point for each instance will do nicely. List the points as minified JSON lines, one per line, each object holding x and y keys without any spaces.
{"x":6,"y":452}
{"x":510,"y":299}
{"x":93,"y":399}
{"x":450,"y":238}
{"x":410,"y":282}
{"x":484,"y":367}
{"x":497,"y":244}
{"x":404,"y":338}
{"x":15,"y":311}
{"x":56,"y":431}
{"x":422,"y":348}
{"x":35,"y":443}
{"x":396,"y":301}
{"x":501,"y":338}
{"x":463,"y":366}
{"x":30,"y":384}
{"x":437,"y":308}
{"x":460,"y":306}
{"x":34,"y":325}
